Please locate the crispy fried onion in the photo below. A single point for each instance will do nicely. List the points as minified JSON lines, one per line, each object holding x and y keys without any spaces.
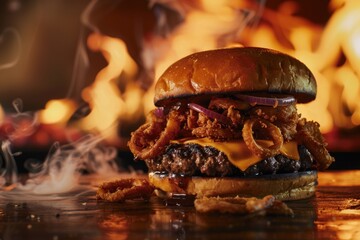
{"x":231,"y":108}
{"x":273,"y":132}
{"x":124,"y":189}
{"x":151,"y":138}
{"x":201,"y":126}
{"x":242,"y":205}
{"x":215,"y":131}
{"x":285,"y":118}
{"x":310,"y":136}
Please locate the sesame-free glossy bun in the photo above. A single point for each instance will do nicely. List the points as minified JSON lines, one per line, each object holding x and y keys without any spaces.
{"x":288,"y":186}
{"x":236,"y":70}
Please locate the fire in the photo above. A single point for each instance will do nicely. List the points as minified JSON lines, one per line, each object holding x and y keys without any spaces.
{"x":331,"y":51}
{"x":320,"y":48}
{"x":107,"y":103}
{"x":342,"y":36}
{"x":214,"y":24}
{"x":57,"y":111}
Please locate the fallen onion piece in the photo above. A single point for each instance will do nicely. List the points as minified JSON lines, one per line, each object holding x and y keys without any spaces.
{"x":124,"y":189}
{"x":242,"y":205}
{"x":267,"y":101}
{"x":209,"y":113}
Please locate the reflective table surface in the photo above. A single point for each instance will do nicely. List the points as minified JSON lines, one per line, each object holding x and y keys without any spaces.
{"x":334,"y":213}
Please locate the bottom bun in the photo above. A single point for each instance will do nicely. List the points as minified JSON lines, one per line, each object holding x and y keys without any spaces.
{"x":289,"y":186}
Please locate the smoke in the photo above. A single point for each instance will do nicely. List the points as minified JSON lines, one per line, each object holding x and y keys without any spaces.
{"x":8,"y":172}
{"x":13,"y":34}
{"x":82,"y":62}
{"x":62,"y":169}
{"x":66,"y":164}
{"x":21,"y":124}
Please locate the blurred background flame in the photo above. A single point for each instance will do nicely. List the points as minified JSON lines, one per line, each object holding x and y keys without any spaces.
{"x":91,"y":66}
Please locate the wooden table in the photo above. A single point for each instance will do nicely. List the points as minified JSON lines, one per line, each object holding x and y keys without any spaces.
{"x":333,"y":214}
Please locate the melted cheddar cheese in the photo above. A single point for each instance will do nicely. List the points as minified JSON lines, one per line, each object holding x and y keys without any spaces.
{"x":239,"y":154}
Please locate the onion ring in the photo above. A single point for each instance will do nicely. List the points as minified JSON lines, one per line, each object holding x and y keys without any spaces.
{"x":310,"y":136}
{"x":143,"y":144}
{"x":285,"y":118}
{"x":124,"y":189}
{"x":251,"y":143}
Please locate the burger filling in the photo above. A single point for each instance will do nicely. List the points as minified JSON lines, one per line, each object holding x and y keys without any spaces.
{"x":196,"y":160}
{"x":265,"y":126}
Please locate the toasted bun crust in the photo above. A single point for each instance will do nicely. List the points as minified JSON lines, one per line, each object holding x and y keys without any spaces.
{"x":291,"y":186}
{"x":236,"y":70}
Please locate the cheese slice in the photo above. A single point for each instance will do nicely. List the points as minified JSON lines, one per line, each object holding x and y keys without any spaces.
{"x":239,"y":154}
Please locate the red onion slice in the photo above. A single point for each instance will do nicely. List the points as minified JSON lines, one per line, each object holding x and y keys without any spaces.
{"x":159,"y":112}
{"x":267,"y":101}
{"x":209,"y":113}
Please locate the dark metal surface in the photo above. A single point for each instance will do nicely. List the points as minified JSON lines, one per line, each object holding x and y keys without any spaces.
{"x":333,"y":214}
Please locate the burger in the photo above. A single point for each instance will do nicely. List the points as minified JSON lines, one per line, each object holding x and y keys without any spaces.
{"x":226,"y":124}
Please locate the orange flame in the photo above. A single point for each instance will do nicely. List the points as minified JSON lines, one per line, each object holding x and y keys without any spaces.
{"x":338,"y":86}
{"x":213,"y":24}
{"x":107,"y":103}
{"x":342,"y":36}
{"x":57,"y":111}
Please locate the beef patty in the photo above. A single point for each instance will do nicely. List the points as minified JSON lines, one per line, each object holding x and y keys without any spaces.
{"x":196,"y":160}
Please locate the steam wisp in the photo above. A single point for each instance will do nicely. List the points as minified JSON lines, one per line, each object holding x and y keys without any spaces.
{"x":62,"y":169}
{"x":11,"y":33}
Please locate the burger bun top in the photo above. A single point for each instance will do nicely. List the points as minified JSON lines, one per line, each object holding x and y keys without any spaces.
{"x":234,"y":71}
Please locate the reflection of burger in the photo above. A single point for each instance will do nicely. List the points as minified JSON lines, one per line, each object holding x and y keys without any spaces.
{"x":226,"y":124}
